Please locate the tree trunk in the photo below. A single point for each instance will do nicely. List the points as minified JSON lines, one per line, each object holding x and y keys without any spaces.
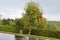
{"x":29,"y":31}
{"x":21,"y":31}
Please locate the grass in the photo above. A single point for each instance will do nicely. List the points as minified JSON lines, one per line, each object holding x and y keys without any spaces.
{"x":7,"y":28}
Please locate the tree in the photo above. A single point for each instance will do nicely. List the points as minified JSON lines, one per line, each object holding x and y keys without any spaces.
{"x":33,"y":17}
{"x":5,"y":21}
{"x":19,"y":25}
{"x":11,"y":22}
{"x":43,"y":23}
{"x":33,"y":14}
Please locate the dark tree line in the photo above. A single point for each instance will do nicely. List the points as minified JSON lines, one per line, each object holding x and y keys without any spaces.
{"x":7,"y":22}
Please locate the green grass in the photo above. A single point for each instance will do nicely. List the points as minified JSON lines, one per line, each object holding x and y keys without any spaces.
{"x":7,"y":28}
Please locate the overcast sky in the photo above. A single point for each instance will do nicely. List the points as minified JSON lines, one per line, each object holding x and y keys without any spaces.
{"x":14,"y":8}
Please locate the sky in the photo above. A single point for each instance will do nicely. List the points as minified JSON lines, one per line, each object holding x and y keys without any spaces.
{"x":15,"y":8}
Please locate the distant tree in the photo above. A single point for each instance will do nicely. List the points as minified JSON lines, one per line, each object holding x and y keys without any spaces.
{"x":4,"y":22}
{"x":0,"y":19}
{"x":12,"y":22}
{"x":0,"y":16}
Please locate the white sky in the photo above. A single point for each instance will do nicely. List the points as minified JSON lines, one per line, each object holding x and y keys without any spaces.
{"x":14,"y":8}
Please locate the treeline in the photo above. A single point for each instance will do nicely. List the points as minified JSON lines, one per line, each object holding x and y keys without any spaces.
{"x":53,"y":25}
{"x":7,"y":25}
{"x":8,"y":21}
